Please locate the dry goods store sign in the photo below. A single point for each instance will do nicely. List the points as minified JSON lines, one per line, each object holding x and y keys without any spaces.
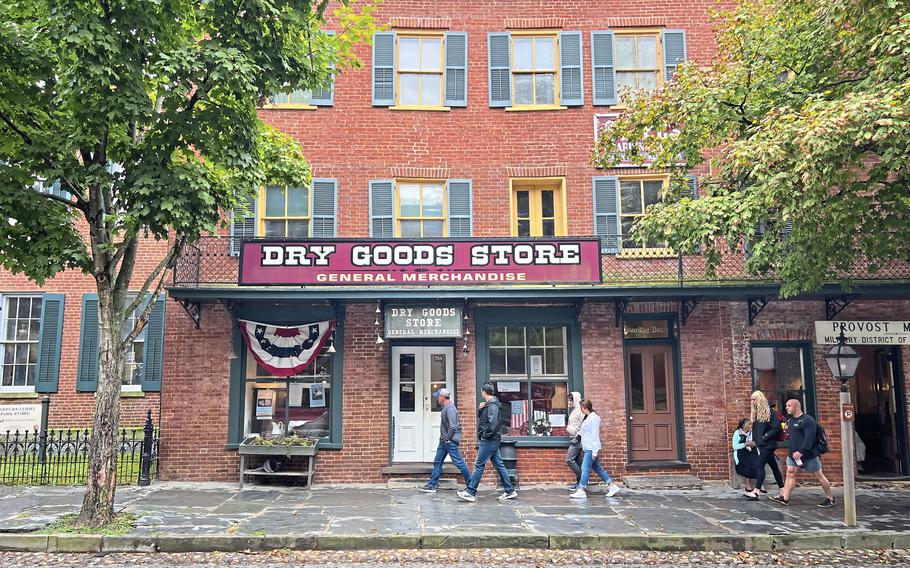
{"x":447,"y":263}
{"x":863,"y":332}
{"x":423,"y":321}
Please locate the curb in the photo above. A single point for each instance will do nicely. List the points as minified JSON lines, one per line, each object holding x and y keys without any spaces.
{"x":15,"y":542}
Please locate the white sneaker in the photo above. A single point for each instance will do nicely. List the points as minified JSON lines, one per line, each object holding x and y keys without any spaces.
{"x":579,"y":494}
{"x":613,"y":490}
{"x":506,"y":496}
{"x":466,"y":496}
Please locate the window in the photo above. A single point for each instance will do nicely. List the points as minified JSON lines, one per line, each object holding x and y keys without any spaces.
{"x":636,"y":194}
{"x":534,"y":71}
{"x":21,"y":320}
{"x":286,"y":211}
{"x":638,"y":60}
{"x":296,"y":99}
{"x":421,"y":209}
{"x":299,"y":404}
{"x":538,"y":208}
{"x":782,"y":372}
{"x":135,"y":357}
{"x":419,"y":69}
{"x":528,"y":367}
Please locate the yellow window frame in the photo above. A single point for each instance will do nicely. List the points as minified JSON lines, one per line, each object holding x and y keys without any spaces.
{"x":442,"y":67}
{"x":288,"y":105}
{"x":533,"y":35}
{"x":422,"y":182}
{"x":643,"y":32}
{"x":641,"y":250}
{"x":260,"y":206}
{"x":536,"y":186}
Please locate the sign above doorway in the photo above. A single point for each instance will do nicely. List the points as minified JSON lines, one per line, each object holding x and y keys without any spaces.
{"x":863,"y":332}
{"x":423,"y":322}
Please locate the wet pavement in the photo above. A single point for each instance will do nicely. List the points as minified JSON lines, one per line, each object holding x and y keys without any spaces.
{"x":170,"y":508}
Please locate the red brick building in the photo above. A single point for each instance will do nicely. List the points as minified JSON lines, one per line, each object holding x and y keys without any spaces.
{"x":471,"y":125}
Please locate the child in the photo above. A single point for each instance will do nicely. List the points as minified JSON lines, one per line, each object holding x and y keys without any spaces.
{"x":744,"y":452}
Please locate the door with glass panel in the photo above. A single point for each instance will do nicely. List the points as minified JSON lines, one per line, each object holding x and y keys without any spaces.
{"x":418,"y":372}
{"x":651,"y":402}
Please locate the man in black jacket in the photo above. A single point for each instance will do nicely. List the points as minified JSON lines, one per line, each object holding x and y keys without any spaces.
{"x":802,"y":454}
{"x":489,"y":438}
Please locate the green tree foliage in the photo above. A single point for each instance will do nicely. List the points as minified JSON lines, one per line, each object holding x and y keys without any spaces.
{"x":804,"y":119}
{"x":145,"y":113}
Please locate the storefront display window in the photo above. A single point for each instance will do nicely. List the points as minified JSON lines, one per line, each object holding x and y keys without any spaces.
{"x":783,"y":371}
{"x":528,"y":368}
{"x":300,"y":404}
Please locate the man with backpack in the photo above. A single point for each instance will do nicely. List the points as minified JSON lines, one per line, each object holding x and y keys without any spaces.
{"x":807,"y":442}
{"x":489,"y":435}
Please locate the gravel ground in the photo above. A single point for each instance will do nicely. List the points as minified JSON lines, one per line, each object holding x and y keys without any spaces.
{"x":512,"y":558}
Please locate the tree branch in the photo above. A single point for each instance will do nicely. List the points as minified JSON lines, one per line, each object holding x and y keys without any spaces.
{"x":61,"y":199}
{"x":127,"y":250}
{"x":159,"y":272}
{"x":25,"y":137}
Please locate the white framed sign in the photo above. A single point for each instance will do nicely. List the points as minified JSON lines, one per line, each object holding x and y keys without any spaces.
{"x":21,"y":417}
{"x":863,"y":332}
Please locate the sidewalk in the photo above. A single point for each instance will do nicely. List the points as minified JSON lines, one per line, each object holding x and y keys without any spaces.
{"x":218,"y":516}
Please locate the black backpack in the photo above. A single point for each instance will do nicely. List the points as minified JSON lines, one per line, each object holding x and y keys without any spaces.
{"x":821,"y":441}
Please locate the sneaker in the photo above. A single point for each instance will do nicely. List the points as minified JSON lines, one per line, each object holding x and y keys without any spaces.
{"x":505,"y":496}
{"x":427,"y":489}
{"x":572,"y":487}
{"x":780,"y":499}
{"x":579,"y":494}
{"x":828,"y":502}
{"x":613,"y":491}
{"x":466,"y":496}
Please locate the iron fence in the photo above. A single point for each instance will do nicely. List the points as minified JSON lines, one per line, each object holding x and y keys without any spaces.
{"x":214,"y":261}
{"x":61,"y":456}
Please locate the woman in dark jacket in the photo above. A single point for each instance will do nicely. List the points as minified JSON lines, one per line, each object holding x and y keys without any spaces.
{"x":765,"y":428}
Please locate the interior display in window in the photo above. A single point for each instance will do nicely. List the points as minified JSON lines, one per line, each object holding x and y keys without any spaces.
{"x":529,"y":371}
{"x":779,"y":372}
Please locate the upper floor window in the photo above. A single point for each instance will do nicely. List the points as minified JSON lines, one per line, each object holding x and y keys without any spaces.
{"x":538,"y":208}
{"x":534,"y":72}
{"x":637,"y":60}
{"x":19,"y":334}
{"x":302,"y":99}
{"x":285,"y":212}
{"x":420,"y":70}
{"x":636,"y":195}
{"x":421,"y":209}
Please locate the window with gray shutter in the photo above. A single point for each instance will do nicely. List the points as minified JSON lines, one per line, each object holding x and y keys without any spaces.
{"x":154,"y":347}
{"x":243,"y":225}
{"x":674,"y":43}
{"x":459,"y":206}
{"x":571,"y":80}
{"x":325,"y":96}
{"x":456,"y":79}
{"x":500,"y":69}
{"x":50,"y":337}
{"x":325,"y":208}
{"x":384,"y":69}
{"x":87,"y":369}
{"x":382,"y":208}
{"x":603,"y":68}
{"x":606,"y":213}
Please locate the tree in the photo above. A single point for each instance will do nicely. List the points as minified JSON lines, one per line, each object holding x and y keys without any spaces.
{"x":144,"y":111}
{"x":804,"y":120}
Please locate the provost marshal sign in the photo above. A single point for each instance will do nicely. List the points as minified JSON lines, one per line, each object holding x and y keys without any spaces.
{"x":863,"y":332}
{"x":444,"y":262}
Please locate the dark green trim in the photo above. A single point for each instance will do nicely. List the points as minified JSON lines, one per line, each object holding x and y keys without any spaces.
{"x":529,"y":316}
{"x":674,"y":343}
{"x":808,"y":370}
{"x":50,"y":338}
{"x":901,"y":410}
{"x":237,"y":388}
{"x":87,"y":369}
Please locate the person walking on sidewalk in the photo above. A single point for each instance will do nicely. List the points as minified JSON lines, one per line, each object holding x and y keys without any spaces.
{"x":802,"y":454}
{"x":449,"y":439}
{"x":765,"y":431}
{"x":489,"y":437}
{"x":744,"y":457}
{"x":590,"y":445}
{"x":573,"y":429}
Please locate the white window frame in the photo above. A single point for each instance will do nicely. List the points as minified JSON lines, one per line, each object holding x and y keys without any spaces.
{"x":4,"y":341}
{"x":139,"y":339}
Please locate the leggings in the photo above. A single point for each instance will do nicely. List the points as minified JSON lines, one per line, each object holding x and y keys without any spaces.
{"x":767,"y":457}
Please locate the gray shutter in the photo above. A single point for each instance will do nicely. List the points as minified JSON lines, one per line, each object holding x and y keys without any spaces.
{"x":674,"y":42}
{"x":154,"y":347}
{"x":243,"y":225}
{"x":325,"y":208}
{"x":459,"y":206}
{"x":382,"y":209}
{"x":500,"y":69}
{"x":325,"y":96}
{"x":606,"y":213}
{"x":87,"y":371}
{"x":49,"y":338}
{"x":603,"y":68}
{"x":571,"y":92}
{"x":692,"y":182}
{"x":456,"y":78}
{"x":384,"y":69}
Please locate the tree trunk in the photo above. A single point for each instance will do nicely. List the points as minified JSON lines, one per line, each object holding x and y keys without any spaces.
{"x":98,"y":504}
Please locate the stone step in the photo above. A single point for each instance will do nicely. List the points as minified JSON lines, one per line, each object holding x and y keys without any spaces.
{"x":662,"y":482}
{"x":414,"y":483}
{"x":416,"y":468}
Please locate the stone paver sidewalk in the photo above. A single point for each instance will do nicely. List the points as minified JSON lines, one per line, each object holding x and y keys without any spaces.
{"x":170,"y":508}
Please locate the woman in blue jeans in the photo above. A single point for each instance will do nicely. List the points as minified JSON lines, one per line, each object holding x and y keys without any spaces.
{"x":590,"y":445}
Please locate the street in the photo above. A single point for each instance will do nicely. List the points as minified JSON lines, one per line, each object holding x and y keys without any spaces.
{"x":480,"y":558}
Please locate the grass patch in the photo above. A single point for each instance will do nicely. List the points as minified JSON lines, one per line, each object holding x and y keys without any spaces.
{"x":122,"y":524}
{"x":25,"y":470}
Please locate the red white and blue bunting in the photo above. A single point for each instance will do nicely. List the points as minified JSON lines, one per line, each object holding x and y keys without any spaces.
{"x":285,"y":351}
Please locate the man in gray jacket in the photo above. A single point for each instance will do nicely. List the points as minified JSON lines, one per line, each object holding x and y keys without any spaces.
{"x":449,"y":438}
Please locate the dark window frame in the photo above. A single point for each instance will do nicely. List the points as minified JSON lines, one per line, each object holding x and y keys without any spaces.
{"x":809,"y":386}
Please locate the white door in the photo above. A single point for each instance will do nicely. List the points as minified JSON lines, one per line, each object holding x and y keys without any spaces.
{"x":417,"y":372}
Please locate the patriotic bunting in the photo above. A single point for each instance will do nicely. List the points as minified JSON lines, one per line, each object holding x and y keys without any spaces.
{"x":285,"y":351}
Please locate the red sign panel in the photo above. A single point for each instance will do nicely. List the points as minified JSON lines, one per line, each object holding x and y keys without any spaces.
{"x":448,"y":263}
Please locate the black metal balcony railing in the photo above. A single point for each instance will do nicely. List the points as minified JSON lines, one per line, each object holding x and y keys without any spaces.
{"x":213,"y":261}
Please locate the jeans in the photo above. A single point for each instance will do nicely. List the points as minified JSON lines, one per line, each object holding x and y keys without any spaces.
{"x":489,"y":450}
{"x":588,"y":463}
{"x":448,"y":449}
{"x":766,"y":456}
{"x":574,"y":457}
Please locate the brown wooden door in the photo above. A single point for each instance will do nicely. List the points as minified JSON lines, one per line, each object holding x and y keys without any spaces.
{"x":652,"y":407}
